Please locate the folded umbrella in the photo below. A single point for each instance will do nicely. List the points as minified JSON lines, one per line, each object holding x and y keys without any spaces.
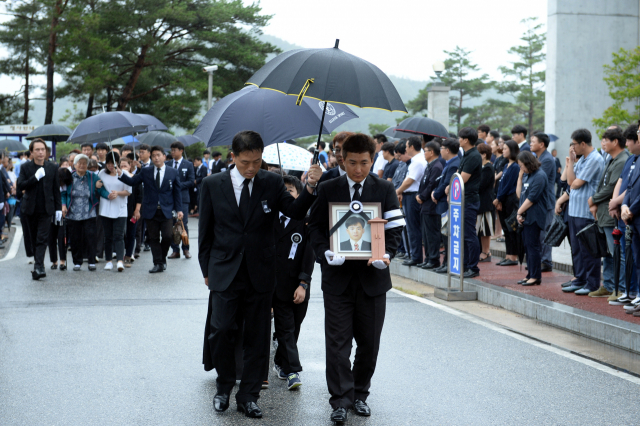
{"x":289,"y":156}
{"x":274,"y":115}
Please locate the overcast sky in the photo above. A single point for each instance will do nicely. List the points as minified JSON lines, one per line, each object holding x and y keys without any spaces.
{"x":405,"y":37}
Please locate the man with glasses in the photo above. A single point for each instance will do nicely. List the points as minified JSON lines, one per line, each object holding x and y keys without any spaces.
{"x":582,"y":177}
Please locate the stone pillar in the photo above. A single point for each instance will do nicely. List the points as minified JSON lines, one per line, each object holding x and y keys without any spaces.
{"x":581,"y":37}
{"x":438,"y":104}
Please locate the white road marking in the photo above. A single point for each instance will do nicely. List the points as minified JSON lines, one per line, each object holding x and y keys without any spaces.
{"x":494,"y":327}
{"x":15,"y":245}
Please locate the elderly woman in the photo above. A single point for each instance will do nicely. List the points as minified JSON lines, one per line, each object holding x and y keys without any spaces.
{"x":113,"y":211}
{"x":532,"y":213}
{"x":79,"y":202}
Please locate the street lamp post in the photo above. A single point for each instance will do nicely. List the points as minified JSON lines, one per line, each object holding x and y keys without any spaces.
{"x":209,"y":70}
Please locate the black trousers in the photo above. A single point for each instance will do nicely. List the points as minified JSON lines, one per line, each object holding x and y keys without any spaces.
{"x":531,"y":241}
{"x":28,"y":247}
{"x":510,"y":241}
{"x":82,"y":235}
{"x":58,"y":242}
{"x":288,"y":318}
{"x":140,"y":234}
{"x":240,"y":298}
{"x":99,"y":236}
{"x":431,"y":237}
{"x":185,"y":220}
{"x":352,"y":315}
{"x":39,"y":225}
{"x":156,"y":226}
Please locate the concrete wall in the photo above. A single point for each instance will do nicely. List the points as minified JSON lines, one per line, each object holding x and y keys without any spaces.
{"x":438,"y":104}
{"x":581,"y":36}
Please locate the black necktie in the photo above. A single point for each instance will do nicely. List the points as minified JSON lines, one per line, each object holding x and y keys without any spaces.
{"x":356,"y":193}
{"x":175,"y":164}
{"x":245,"y":198}
{"x":283,"y":221}
{"x":158,"y":178}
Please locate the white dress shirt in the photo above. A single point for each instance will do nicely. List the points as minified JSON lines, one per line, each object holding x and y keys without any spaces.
{"x":286,"y":221}
{"x":147,"y":164}
{"x":155,"y":172}
{"x":379,"y":164}
{"x":174,"y":165}
{"x":351,"y":189}
{"x":353,"y":244}
{"x":415,"y":171}
{"x":237,"y":180}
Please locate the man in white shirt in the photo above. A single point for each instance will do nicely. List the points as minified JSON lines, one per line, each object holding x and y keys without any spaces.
{"x":407,"y":195}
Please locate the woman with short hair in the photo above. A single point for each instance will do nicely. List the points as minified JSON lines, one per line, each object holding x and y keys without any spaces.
{"x":532,"y":213}
{"x":507,"y":201}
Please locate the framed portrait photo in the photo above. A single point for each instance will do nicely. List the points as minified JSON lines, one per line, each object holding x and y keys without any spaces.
{"x":352,"y":239}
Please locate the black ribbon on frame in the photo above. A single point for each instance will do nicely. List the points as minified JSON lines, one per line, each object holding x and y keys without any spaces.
{"x":355,"y":208}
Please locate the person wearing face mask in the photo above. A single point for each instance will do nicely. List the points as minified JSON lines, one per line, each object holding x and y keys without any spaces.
{"x":79,"y":202}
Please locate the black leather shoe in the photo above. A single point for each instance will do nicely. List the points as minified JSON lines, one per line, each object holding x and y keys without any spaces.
{"x":164,"y":266}
{"x":339,"y":416}
{"x":536,"y":282}
{"x":250,"y":409}
{"x":420,"y":265}
{"x":54,"y":266}
{"x":410,"y":262}
{"x":400,"y":255}
{"x":221,"y":402}
{"x":441,"y":270}
{"x":63,"y":267}
{"x":361,"y":408}
{"x":471,"y":274}
{"x":156,"y":269}
{"x":523,"y":280}
{"x":37,"y":274}
{"x":146,"y":248}
{"x":508,"y":262}
{"x":431,"y":265}
{"x":546,"y":268}
{"x":567,"y":284}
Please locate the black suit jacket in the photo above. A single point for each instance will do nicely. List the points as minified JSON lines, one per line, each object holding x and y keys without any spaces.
{"x":168,"y":195}
{"x":201,"y":173}
{"x":525,"y":147}
{"x":346,"y":246}
{"x":27,"y":182}
{"x":217,"y":168}
{"x":5,"y":187}
{"x":289,"y":272}
{"x":428,"y":184}
{"x":224,"y":238}
{"x":186,"y":177}
{"x":335,"y":279}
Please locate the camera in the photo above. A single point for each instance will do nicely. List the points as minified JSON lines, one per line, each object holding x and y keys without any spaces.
{"x":210,"y":68}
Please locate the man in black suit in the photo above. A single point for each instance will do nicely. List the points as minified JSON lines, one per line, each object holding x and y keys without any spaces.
{"x":519,"y":134}
{"x":5,"y":193}
{"x":40,"y":201}
{"x":161,"y":198}
{"x":355,"y":229}
{"x":217,"y":165}
{"x":237,"y":249}
{"x":295,"y":262}
{"x":337,"y":151}
{"x":187,"y":178}
{"x":201,"y":173}
{"x":355,"y":290}
{"x":430,"y":220}
{"x":144,"y":158}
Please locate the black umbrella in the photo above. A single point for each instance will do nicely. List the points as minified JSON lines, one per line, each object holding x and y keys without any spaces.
{"x":51,"y":132}
{"x":629,"y":264}
{"x":422,"y":126}
{"x":329,"y":75}
{"x":153,"y":123}
{"x":108,"y":126}
{"x":11,"y":145}
{"x":520,"y":245}
{"x":188,"y":139}
{"x":154,"y":138}
{"x":617,"y":235}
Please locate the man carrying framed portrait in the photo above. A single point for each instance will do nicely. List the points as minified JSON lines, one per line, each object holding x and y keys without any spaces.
{"x":354,"y":285}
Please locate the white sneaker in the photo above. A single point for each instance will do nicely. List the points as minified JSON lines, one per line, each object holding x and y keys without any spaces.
{"x":632,"y":305}
{"x":108,"y":266}
{"x":120,"y":266}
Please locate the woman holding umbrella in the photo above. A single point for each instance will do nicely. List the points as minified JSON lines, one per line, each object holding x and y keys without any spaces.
{"x":532,"y":213}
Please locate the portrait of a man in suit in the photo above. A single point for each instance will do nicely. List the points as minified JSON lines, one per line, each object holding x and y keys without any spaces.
{"x":355,"y":227}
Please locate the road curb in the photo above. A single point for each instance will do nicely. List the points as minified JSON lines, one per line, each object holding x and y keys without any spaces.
{"x":15,"y":245}
{"x":611,"y":331}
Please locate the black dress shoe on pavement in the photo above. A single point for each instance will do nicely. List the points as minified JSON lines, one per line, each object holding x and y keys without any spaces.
{"x":471,"y":274}
{"x":156,"y":269}
{"x":146,"y":248}
{"x":339,"y":416}
{"x":523,"y":281}
{"x":430,"y":265}
{"x":508,"y":262}
{"x":164,"y":266}
{"x":441,"y":270}
{"x":54,"y":266}
{"x":410,"y":262}
{"x":221,"y":402}
{"x":361,"y":408}
{"x":63,"y":267}
{"x":528,"y":283}
{"x":400,"y":255}
{"x":250,"y":409}
{"x":546,"y":268}
{"x":420,"y":265}
{"x":36,"y":274}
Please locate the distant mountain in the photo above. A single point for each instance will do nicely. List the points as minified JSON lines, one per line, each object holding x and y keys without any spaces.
{"x":407,"y":89}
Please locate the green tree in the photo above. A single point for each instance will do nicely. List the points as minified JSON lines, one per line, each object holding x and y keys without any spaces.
{"x":458,"y":75}
{"x":374,"y":129}
{"x":623,"y":80}
{"x":64,"y":148}
{"x":525,"y":79}
{"x":195,"y":150}
{"x":499,"y":115}
{"x":419,"y":104}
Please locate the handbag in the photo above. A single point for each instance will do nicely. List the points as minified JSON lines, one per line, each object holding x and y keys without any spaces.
{"x":594,"y":239}
{"x":184,"y":236}
{"x":512,"y":221}
{"x":178,"y":228}
{"x":556,"y":232}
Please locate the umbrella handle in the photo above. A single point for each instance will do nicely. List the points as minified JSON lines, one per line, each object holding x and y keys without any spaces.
{"x":316,"y":153}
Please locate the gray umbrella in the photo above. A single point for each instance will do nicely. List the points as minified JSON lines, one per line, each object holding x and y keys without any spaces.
{"x":51,"y":132}
{"x":11,"y":145}
{"x":153,"y":123}
{"x":108,"y":126}
{"x":274,"y":115}
{"x":154,"y":138}
{"x":189,"y":139}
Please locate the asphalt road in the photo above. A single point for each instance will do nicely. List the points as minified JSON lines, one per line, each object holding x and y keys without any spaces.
{"x":109,"y":348}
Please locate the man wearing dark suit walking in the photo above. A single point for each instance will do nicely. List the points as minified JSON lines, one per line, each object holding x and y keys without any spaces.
{"x":161,"y":198}
{"x":217,"y":165}
{"x":187,"y":177}
{"x":354,"y":290}
{"x":201,"y":172}
{"x":237,"y":249}
{"x":40,"y":201}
